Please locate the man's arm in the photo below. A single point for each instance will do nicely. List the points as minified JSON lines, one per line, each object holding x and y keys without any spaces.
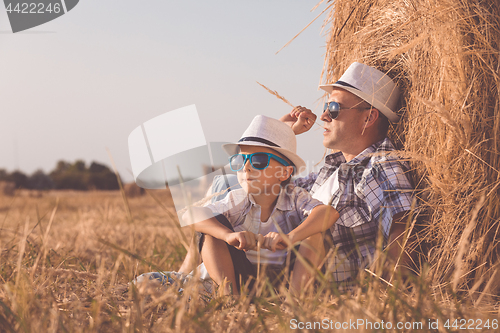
{"x":397,"y":248}
{"x":301,"y":119}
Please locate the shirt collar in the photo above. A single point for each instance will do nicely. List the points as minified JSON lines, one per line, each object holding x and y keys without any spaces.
{"x":284,"y":201}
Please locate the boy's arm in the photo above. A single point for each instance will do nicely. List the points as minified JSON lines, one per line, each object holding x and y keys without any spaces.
{"x":203,"y":221}
{"x":321,"y":218}
{"x":206,"y":223}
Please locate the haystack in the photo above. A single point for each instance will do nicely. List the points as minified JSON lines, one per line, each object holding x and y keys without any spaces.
{"x":445,"y":55}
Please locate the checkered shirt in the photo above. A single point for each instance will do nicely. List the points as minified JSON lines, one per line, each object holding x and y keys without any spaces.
{"x":294,"y":204}
{"x":372,"y":188}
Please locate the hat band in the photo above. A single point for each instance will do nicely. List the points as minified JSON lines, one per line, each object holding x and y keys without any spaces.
{"x":256,"y":139}
{"x":345,"y":84}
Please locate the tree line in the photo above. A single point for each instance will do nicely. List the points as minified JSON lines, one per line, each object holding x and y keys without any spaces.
{"x":71,"y":176}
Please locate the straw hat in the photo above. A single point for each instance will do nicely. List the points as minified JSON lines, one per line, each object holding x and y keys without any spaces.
{"x":272,"y":133}
{"x":372,"y":85}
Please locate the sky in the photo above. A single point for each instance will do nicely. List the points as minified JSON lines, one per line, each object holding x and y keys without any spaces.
{"x":79,"y":85}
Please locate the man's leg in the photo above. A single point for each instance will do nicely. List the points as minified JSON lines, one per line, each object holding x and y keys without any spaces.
{"x":313,"y":250}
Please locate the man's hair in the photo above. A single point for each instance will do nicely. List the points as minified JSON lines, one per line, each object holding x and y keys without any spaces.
{"x":383,"y":126}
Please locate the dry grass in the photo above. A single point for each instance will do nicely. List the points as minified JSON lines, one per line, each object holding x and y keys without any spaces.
{"x":67,"y":258}
{"x":275,"y":93}
{"x":445,"y":55}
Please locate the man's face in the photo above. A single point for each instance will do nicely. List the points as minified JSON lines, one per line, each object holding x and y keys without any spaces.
{"x":347,"y":127}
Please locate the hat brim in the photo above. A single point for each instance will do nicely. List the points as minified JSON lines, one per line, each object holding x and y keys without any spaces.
{"x":390,"y":114}
{"x":300,"y":165}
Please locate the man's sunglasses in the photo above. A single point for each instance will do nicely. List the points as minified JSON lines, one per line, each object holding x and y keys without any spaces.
{"x":334,"y":109}
{"x":259,"y":161}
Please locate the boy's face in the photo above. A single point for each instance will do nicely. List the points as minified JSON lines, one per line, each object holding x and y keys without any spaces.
{"x":262,"y":182}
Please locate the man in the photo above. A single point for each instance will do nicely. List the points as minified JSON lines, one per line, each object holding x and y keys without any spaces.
{"x":370,"y":189}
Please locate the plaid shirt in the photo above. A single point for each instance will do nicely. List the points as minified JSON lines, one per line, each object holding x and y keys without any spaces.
{"x":371,"y":189}
{"x":294,"y":204}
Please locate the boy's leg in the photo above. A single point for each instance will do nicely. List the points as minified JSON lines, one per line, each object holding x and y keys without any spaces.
{"x":220,"y":183}
{"x":225,"y":261}
{"x":313,"y":250}
{"x":192,"y":259}
{"x":219,"y":263}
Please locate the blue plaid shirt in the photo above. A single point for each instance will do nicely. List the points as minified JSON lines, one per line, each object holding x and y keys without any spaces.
{"x":371,"y":189}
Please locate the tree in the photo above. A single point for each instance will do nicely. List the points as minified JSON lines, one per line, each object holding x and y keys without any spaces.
{"x":3,"y":175}
{"x":77,"y":176}
{"x":19,"y":178}
{"x":40,"y":181}
{"x":68,"y":176}
{"x":79,"y":166}
{"x":61,"y":167}
{"x":101,"y":177}
{"x":96,"y":168}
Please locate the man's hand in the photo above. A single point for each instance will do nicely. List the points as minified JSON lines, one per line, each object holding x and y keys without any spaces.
{"x":301,"y":119}
{"x":274,"y":241}
{"x":243,"y":240}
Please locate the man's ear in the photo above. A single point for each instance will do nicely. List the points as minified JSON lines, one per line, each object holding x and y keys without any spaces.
{"x":370,"y":118}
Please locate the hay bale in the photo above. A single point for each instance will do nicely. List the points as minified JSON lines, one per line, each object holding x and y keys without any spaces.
{"x":132,"y":190}
{"x":445,"y":57}
{"x":7,"y":188}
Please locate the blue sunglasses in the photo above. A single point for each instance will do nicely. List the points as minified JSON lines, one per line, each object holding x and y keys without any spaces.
{"x":334,"y":109}
{"x":259,"y":161}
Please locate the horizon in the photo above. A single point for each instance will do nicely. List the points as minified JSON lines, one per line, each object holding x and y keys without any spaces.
{"x":80,"y":84}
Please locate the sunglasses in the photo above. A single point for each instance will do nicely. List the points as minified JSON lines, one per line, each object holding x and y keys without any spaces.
{"x":259,"y":161}
{"x":334,"y":109}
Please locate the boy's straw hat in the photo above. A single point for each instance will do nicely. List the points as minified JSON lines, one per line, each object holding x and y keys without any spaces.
{"x":272,"y":133}
{"x":372,"y":85}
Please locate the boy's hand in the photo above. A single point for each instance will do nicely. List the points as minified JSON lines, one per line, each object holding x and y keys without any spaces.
{"x":244,"y":240}
{"x":301,"y":119}
{"x":274,"y":241}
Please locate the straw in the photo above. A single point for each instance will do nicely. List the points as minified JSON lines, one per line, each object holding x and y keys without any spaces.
{"x":445,"y":58}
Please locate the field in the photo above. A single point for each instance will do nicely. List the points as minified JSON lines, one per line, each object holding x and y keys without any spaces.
{"x":67,"y":258}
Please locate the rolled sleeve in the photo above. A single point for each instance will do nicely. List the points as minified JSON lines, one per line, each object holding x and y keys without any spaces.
{"x":304,"y":203}
{"x":233,"y":206}
{"x":394,"y":190}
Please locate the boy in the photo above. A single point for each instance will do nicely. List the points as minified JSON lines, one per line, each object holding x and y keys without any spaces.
{"x":233,"y":227}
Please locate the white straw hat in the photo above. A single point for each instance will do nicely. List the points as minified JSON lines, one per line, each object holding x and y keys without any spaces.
{"x":272,"y":133}
{"x":372,"y":85}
